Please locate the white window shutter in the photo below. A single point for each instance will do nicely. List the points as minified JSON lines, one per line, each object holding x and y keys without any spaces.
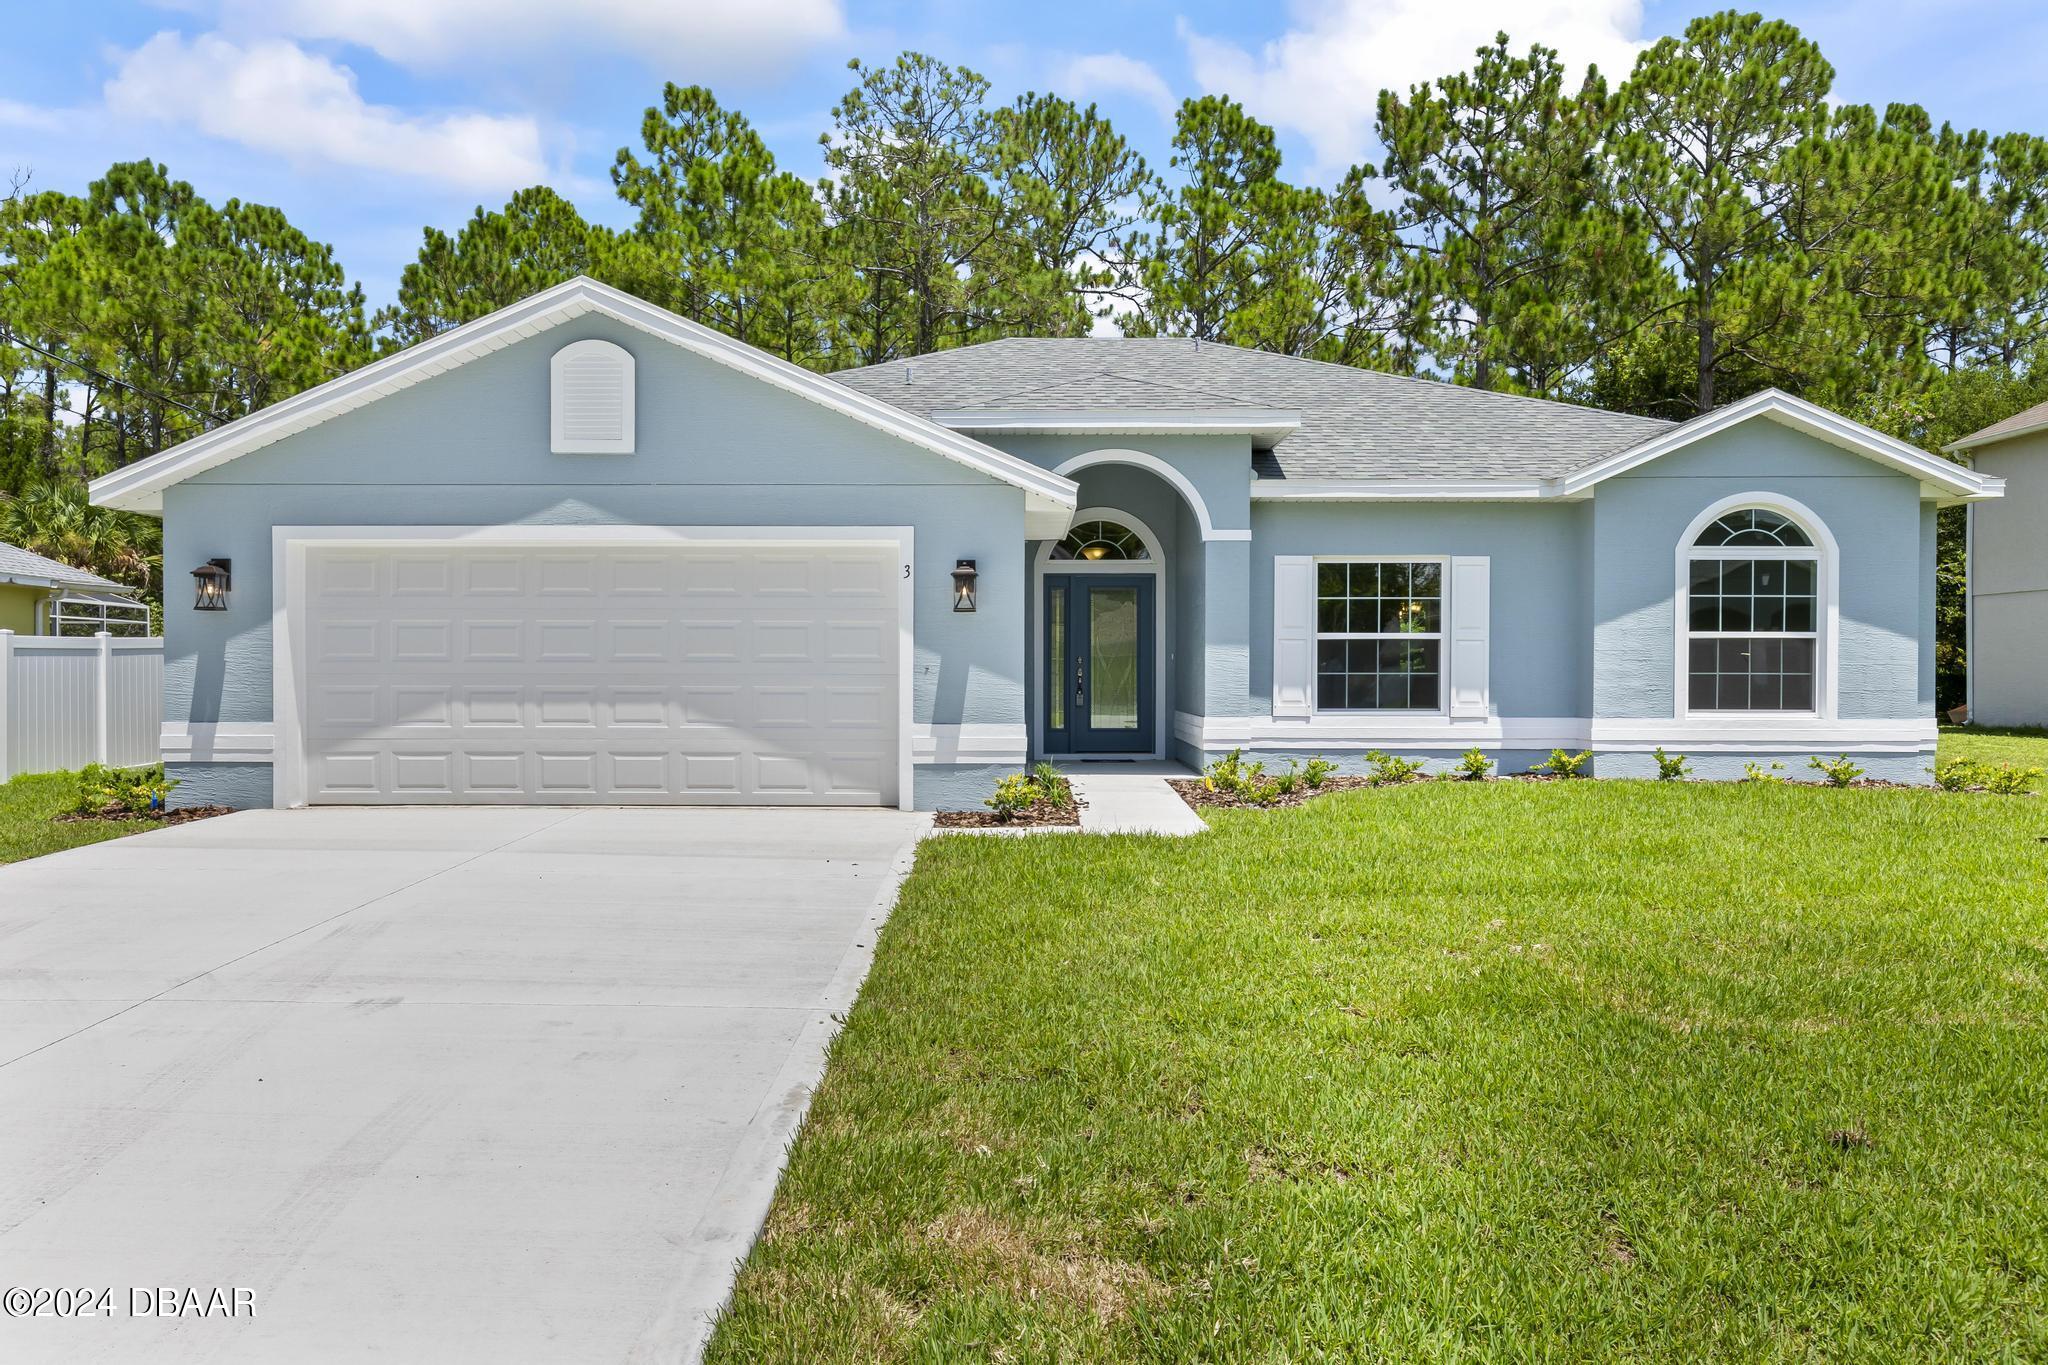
{"x":1294,"y":634}
{"x":1471,"y":611}
{"x":590,"y":399}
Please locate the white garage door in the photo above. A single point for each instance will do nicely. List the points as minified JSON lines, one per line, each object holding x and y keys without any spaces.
{"x":743,"y":674}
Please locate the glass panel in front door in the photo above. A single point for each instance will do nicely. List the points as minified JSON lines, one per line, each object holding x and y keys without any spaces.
{"x":1056,"y":659}
{"x":1113,"y":658}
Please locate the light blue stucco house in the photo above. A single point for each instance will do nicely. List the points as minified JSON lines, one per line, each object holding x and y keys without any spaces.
{"x":583,"y":550}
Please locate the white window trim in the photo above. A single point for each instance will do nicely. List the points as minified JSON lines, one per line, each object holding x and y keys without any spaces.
{"x":1826,"y":555}
{"x":288,"y":546}
{"x":1042,"y":563}
{"x":1442,"y":635}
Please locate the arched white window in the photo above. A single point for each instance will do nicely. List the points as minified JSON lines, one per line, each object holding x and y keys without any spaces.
{"x":590,"y":399}
{"x":1754,"y":594}
{"x":1095,"y":541}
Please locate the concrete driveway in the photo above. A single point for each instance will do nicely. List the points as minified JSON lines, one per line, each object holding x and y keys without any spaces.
{"x":429,"y":1085}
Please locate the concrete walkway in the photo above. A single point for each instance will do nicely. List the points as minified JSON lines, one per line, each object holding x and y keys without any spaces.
{"x":1132,"y":798}
{"x":431,"y":1085}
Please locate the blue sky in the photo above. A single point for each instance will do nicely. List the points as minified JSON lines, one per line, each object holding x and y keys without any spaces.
{"x":367,"y":119}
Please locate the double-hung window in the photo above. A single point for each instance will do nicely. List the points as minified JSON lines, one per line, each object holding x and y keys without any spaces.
{"x":1752,"y":615}
{"x":1379,"y":635}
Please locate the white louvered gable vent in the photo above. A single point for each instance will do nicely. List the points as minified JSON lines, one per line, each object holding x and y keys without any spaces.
{"x":591,"y":399}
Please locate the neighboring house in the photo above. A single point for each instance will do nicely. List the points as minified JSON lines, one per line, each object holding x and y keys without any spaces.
{"x":583,"y":550}
{"x":41,"y":596}
{"x":2008,"y":567}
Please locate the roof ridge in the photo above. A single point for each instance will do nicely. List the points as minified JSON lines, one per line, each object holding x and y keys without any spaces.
{"x":1145,"y":381}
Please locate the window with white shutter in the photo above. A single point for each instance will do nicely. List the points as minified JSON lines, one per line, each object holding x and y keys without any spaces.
{"x":591,"y":399}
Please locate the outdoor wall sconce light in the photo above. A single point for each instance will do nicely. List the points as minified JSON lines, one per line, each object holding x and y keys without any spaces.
{"x":963,"y":585}
{"x":214,"y":579}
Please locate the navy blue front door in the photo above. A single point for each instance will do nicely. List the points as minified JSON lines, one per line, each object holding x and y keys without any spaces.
{"x":1100,"y":653}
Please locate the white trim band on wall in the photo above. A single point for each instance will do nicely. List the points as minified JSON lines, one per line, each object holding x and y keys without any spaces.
{"x":991,"y":744}
{"x":219,"y":742}
{"x":1349,"y":732}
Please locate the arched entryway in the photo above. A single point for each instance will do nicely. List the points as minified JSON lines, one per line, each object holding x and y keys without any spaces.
{"x":1099,"y":629}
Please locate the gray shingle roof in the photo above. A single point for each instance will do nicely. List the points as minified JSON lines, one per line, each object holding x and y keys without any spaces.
{"x":1355,"y":424}
{"x":2025,"y":420}
{"x":17,"y":563}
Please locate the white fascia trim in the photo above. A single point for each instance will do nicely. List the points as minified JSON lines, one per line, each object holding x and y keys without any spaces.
{"x":1398,"y":490}
{"x":1941,"y":478}
{"x":139,"y":487}
{"x":995,"y":744}
{"x":219,"y":742}
{"x":1978,"y":440}
{"x":1272,"y":423}
{"x":1721,"y":734}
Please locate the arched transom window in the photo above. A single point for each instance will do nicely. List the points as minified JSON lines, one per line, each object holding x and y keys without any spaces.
{"x":1097,"y":540}
{"x":1753,"y":618}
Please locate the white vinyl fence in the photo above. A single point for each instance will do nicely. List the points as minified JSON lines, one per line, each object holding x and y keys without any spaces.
{"x":65,"y":703}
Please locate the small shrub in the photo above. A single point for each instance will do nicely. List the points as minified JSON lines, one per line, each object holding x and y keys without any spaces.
{"x":1757,"y":772}
{"x":1052,"y":784}
{"x":1316,"y":769}
{"x":1670,"y":767}
{"x":1260,"y":790}
{"x":1562,"y":764}
{"x":1284,"y":783}
{"x":1839,"y":773}
{"x":137,"y":791}
{"x":1388,"y":771}
{"x":2004,"y":779}
{"x":1473,"y":766}
{"x":1956,"y":774}
{"x":1013,"y":796}
{"x":1228,"y":773}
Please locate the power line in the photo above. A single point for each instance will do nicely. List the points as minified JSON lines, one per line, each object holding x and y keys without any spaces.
{"x":105,"y":378}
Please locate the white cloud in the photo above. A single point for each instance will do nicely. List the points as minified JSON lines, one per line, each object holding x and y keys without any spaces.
{"x":15,"y":114}
{"x":688,"y":39}
{"x":1101,"y":72}
{"x":1322,"y":78}
{"x":274,"y":96}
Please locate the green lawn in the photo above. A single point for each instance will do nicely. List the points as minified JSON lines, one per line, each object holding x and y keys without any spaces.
{"x":2021,"y":748}
{"x":27,"y":829}
{"x":1586,"y":1071}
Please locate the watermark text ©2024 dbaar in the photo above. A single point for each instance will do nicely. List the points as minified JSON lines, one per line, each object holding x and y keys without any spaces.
{"x":24,"y":1301}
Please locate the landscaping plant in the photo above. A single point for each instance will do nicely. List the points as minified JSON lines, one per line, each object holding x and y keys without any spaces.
{"x":1052,"y":784}
{"x":1839,"y":773}
{"x":2006,"y":779}
{"x":1956,"y":774}
{"x":1670,"y":767}
{"x":1388,"y":771}
{"x":1013,"y":796}
{"x":1562,"y":764}
{"x":1757,"y":772}
{"x":130,"y":791}
{"x":1316,"y":770}
{"x":1474,"y":766}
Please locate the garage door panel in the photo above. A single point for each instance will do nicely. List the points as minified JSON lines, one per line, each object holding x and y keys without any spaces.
{"x":631,"y":675}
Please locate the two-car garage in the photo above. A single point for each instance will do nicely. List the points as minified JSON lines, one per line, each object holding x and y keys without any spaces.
{"x":661,"y":667}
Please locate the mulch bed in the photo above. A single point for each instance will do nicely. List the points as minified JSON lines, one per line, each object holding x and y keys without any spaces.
{"x":183,"y":815}
{"x":1193,"y":791}
{"x":1041,"y":814}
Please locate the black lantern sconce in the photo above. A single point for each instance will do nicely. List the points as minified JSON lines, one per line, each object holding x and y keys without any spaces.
{"x":963,"y":585}
{"x":214,"y":579}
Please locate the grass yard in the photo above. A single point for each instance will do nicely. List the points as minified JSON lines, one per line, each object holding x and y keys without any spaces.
{"x":2021,"y":748}
{"x":28,"y":806}
{"x":1578,"y":1071}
